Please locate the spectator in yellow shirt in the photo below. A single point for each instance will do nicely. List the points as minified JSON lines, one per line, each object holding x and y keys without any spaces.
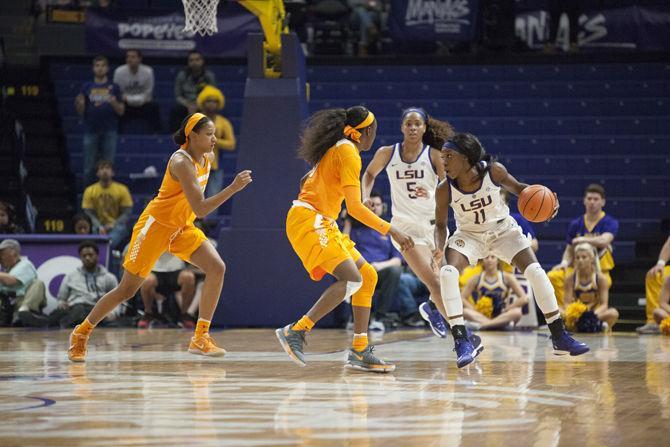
{"x":108,"y":204}
{"x":211,"y":101}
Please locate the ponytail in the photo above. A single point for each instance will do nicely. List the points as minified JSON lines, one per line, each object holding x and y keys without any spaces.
{"x":179,"y":137}
{"x":325,"y":128}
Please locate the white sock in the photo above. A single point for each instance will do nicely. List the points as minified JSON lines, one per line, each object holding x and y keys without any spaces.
{"x":542,"y":290}
{"x":451,"y":295}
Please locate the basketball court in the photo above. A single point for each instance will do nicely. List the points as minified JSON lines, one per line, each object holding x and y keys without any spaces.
{"x":142,"y":388}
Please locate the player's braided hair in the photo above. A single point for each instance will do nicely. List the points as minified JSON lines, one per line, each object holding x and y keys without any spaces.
{"x":437,"y":131}
{"x":325,"y":128}
{"x":470,"y":146}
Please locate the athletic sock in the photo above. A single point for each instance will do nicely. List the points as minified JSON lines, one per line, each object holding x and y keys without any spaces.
{"x":360,"y":342}
{"x":202,"y":327}
{"x":85,"y":328}
{"x":303,"y":324}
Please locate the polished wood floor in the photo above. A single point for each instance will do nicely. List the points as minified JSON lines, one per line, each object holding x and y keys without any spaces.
{"x":142,"y":388}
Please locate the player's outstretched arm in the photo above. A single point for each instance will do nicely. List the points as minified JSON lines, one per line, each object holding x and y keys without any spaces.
{"x":501,"y":176}
{"x":379,"y":161}
{"x":183,"y":171}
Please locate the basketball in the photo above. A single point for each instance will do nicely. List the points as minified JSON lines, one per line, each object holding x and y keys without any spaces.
{"x":536,"y":203}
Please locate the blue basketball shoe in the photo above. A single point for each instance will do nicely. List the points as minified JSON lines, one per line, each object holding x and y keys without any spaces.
{"x":434,"y":318}
{"x":465,"y":352}
{"x":565,"y":344}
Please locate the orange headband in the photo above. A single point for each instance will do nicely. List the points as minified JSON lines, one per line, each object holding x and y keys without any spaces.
{"x":190,"y":124}
{"x":353,"y":131}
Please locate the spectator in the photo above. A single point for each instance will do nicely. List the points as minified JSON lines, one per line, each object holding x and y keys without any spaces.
{"x":82,"y":224}
{"x":20,"y":290}
{"x":496,"y":285}
{"x":78,"y":292}
{"x":587,"y":285}
{"x":595,"y":227}
{"x":366,"y":18}
{"x":108,"y":204}
{"x":662,"y":311}
{"x":409,"y":288}
{"x":377,"y":249}
{"x":168,"y":276}
{"x":658,"y":280}
{"x":210,"y":101}
{"x":136,"y":82}
{"x":556,"y":9}
{"x":8,"y":219}
{"x":99,"y":102}
{"x":189,"y":82}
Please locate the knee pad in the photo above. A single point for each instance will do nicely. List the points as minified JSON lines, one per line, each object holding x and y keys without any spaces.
{"x":363,"y":297}
{"x":449,"y":273}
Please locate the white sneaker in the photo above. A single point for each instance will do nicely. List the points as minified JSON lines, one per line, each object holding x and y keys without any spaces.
{"x":649,"y":328}
{"x":376,"y":325}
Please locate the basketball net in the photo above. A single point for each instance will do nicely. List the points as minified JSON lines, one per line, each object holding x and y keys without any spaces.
{"x":200,"y":16}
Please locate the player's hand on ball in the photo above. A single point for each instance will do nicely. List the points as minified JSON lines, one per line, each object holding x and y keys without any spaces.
{"x":242,"y":179}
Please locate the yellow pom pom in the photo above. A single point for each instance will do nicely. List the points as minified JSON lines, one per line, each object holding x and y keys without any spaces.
{"x":572,"y":314}
{"x":665,"y":326}
{"x":484,"y":306}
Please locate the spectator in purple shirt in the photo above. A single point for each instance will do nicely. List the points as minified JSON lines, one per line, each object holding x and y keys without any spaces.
{"x":99,"y":103}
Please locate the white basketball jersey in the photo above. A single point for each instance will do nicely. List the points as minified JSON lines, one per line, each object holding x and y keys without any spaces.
{"x":404,"y":176}
{"x":481,"y":210}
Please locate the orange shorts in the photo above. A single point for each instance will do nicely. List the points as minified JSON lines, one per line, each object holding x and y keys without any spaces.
{"x":318,"y":241}
{"x":151,"y":239}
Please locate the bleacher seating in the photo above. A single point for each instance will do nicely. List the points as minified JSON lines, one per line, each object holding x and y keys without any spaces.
{"x":561,"y":125}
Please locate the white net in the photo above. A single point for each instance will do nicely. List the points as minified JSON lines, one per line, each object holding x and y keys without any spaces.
{"x":200,"y":16}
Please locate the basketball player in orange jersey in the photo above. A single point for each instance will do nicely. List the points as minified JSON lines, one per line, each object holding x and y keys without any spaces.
{"x":166,"y":224}
{"x":331,"y":143}
{"x":483,"y":227}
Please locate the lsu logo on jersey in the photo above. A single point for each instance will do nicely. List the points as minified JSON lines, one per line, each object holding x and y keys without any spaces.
{"x":409,"y":174}
{"x":476,"y":204}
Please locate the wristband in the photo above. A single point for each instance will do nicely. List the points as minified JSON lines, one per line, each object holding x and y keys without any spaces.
{"x":661,"y":263}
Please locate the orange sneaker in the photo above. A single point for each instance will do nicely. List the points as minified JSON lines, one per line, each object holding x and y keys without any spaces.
{"x":204,"y":345}
{"x":77,"y":350}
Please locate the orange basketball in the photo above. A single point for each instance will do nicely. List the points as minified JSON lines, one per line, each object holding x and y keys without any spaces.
{"x":536,"y":203}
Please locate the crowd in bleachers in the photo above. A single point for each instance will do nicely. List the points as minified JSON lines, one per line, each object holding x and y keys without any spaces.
{"x":489,"y":99}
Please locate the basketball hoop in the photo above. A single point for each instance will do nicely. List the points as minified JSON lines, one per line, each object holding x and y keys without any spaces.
{"x":200,"y":16}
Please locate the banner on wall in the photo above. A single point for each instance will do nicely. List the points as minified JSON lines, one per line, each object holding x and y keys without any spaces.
{"x":54,"y":256}
{"x":625,"y":24}
{"x":433,"y":20}
{"x":162,"y":34}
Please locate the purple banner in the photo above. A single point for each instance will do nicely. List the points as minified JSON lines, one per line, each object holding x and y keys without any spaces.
{"x":54,"y":256}
{"x":433,"y":20}
{"x":627,"y":26}
{"x":155,"y":34}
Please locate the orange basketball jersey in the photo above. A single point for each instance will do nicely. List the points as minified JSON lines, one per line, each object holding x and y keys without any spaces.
{"x":324,"y":187}
{"x":170,"y":207}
